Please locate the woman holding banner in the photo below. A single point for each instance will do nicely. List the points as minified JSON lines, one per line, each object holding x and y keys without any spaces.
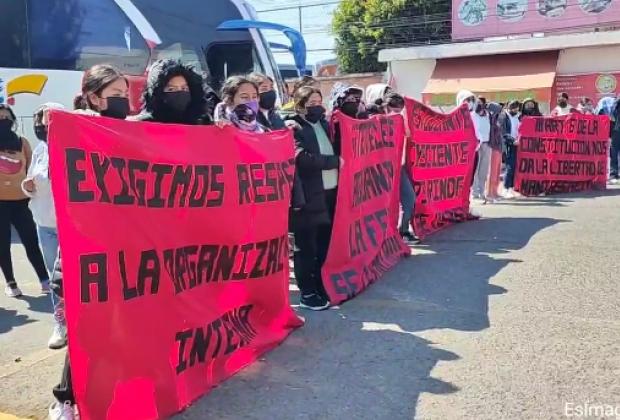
{"x":175,"y":93}
{"x":105,"y":92}
{"x":317,"y":167}
{"x":239,"y":105}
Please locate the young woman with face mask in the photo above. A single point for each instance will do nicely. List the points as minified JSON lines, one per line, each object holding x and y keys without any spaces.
{"x":317,"y":170}
{"x":15,"y":159}
{"x":348,"y":100}
{"x":239,"y":105}
{"x":105,"y":92}
{"x":176,"y":94}
{"x":267,"y":116}
{"x":37,"y":186}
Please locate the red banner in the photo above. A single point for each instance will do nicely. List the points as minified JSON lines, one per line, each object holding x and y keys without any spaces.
{"x":175,"y":258}
{"x":562,"y":155}
{"x":594,"y":86}
{"x":441,"y":161}
{"x":365,"y":241}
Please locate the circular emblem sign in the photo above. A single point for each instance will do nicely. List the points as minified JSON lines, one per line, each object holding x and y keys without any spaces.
{"x":606,"y":83}
{"x":473,"y":12}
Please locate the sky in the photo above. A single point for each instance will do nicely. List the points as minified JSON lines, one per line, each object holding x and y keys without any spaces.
{"x":315,"y":20}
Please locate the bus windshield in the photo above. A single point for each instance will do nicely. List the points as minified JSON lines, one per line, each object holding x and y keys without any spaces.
{"x":77,"y":34}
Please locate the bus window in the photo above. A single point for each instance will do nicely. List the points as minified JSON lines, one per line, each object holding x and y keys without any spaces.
{"x":77,"y":34}
{"x":225,"y":59}
{"x":177,"y":51}
{"x":13,"y":35}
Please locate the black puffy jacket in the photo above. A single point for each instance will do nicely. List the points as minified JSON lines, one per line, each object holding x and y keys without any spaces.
{"x":200,"y":109}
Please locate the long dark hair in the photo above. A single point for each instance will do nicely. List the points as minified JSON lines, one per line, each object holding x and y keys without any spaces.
{"x":535,"y":112}
{"x":12,"y":143}
{"x":160,"y":73}
{"x":95,"y":80}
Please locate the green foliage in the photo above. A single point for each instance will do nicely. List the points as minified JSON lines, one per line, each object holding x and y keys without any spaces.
{"x":363,"y":27}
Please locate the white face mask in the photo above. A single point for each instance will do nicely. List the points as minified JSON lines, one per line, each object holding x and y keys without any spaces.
{"x":471,"y":104}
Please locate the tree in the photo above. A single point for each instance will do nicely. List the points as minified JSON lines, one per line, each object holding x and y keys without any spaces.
{"x":362,"y":28}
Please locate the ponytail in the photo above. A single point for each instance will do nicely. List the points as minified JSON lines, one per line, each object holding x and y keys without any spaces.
{"x":80,"y":103}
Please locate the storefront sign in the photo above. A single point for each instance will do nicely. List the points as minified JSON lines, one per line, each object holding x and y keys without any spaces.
{"x":594,"y":86}
{"x":473,"y":19}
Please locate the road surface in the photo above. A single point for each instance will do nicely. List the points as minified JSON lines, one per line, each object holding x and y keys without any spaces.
{"x":515,"y":316}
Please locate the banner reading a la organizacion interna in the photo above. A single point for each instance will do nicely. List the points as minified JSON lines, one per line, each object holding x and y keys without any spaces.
{"x":175,"y":258}
{"x":562,"y":154}
{"x":441,"y":163}
{"x":365,"y":241}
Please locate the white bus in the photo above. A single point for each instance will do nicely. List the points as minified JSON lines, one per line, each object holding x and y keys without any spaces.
{"x":46,"y":44}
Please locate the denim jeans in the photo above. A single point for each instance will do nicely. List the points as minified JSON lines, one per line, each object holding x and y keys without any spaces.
{"x":511,"y":167}
{"x":614,"y":152}
{"x":407,"y":199}
{"x":48,"y":239}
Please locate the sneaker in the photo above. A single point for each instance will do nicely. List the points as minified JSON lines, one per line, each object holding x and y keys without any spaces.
{"x":59,"y":337}
{"x":45,"y":287}
{"x":509,"y":194}
{"x":474,"y":213}
{"x":614,"y":181}
{"x":409,"y":238}
{"x":11,"y":290}
{"x":59,"y":411}
{"x":314,"y":302}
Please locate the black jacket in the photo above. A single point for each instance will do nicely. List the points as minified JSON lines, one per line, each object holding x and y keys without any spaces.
{"x":310,"y":164}
{"x":154,"y":108}
{"x":505,"y":127}
{"x":274,"y":122}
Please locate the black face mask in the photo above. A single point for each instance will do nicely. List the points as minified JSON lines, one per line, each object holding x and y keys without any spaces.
{"x":350,"y":108}
{"x":314,"y":113}
{"x":117,"y":108}
{"x":562,"y":103}
{"x":268,"y":100}
{"x":177,"y":102}
{"x":6,"y":127}
{"x":41,"y":132}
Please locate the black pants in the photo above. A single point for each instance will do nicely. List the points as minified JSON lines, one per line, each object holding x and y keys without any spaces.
{"x":64,"y":390}
{"x":614,"y":152}
{"x":18,"y":214}
{"x":511,"y":167}
{"x":311,"y":246}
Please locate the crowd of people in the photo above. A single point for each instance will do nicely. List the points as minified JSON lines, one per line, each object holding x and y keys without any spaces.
{"x":176,"y":94}
{"x":497,"y":131}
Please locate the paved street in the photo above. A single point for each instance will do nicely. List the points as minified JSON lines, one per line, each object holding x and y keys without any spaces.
{"x":510,"y":317}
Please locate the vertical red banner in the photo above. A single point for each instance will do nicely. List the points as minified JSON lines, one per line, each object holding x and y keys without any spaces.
{"x":175,"y":258}
{"x":562,"y":154}
{"x":441,"y":161}
{"x":365,"y":241}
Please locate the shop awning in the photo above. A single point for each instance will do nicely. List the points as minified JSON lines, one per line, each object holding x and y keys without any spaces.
{"x":499,"y":78}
